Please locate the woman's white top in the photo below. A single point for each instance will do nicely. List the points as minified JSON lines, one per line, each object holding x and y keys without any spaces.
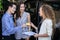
{"x":46,"y":27}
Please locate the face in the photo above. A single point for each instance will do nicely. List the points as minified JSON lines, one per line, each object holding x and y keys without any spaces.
{"x":22,"y":8}
{"x":40,"y":12}
{"x":13,"y":9}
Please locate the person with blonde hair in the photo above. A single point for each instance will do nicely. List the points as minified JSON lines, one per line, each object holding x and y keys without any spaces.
{"x":47,"y":27}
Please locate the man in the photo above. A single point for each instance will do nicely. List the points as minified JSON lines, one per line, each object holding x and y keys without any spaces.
{"x":8,"y":28}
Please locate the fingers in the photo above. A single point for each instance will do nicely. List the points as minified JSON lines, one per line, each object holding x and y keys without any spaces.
{"x":24,"y":25}
{"x":35,"y":35}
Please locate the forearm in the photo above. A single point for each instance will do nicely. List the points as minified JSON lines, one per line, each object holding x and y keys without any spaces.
{"x":17,"y":28}
{"x":42,"y":35}
{"x":29,"y":27}
{"x":28,"y":17}
{"x":33,"y":26}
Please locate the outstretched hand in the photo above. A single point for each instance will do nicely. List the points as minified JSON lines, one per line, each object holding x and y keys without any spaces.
{"x":36,"y":35}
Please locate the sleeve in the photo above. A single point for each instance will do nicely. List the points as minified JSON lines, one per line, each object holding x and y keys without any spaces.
{"x":49,"y":27}
{"x":8,"y":26}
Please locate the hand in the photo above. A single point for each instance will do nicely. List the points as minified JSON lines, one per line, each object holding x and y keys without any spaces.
{"x":36,"y":35}
{"x":24,"y":25}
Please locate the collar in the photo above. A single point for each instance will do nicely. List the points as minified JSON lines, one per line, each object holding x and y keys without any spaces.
{"x":9,"y":14}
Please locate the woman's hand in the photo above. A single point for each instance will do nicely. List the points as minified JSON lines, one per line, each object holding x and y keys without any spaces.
{"x":36,"y":35}
{"x":24,"y":25}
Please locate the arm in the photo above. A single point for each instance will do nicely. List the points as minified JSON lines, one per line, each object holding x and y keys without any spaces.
{"x":31,"y":23}
{"x":10,"y":30}
{"x":41,"y":35}
{"x":7,"y":25}
{"x":48,"y":25}
{"x":33,"y":26}
{"x":29,"y":20}
{"x":49,"y":32}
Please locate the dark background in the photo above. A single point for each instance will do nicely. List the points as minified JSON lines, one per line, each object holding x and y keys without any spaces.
{"x":32,"y":7}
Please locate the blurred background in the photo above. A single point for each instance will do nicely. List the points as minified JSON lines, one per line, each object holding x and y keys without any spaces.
{"x":32,"y":7}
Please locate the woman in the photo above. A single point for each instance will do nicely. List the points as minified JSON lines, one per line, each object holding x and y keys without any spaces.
{"x":23,"y":18}
{"x":48,"y":23}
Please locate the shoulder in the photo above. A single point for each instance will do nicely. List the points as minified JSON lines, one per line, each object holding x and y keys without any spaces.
{"x":48,"y":21}
{"x":27,"y":13}
{"x":5,"y":16}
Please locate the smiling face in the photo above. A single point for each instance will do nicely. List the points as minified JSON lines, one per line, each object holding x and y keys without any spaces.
{"x":40,"y":12}
{"x":22,"y":8}
{"x":12,"y":8}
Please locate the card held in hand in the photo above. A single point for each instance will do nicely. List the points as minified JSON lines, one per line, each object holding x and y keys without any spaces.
{"x":29,"y":33}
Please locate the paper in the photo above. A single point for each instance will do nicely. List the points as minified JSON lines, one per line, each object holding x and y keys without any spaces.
{"x":29,"y":33}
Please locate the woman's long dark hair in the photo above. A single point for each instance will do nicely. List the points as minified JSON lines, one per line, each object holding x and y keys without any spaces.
{"x":18,"y":10}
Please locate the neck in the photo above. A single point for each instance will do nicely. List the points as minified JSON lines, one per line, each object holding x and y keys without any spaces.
{"x":8,"y":11}
{"x":44,"y":17}
{"x":21,"y":13}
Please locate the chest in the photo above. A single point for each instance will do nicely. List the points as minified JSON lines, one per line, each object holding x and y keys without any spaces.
{"x":11,"y":20}
{"x":22,"y":20}
{"x":43,"y":28}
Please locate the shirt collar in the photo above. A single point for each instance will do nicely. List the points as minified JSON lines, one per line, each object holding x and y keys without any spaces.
{"x":9,"y":14}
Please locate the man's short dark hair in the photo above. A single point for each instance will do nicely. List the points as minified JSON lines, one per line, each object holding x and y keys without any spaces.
{"x":11,"y":4}
{"x":7,"y":4}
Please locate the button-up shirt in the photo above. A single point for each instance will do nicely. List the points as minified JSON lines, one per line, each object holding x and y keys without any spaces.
{"x":8,"y":25}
